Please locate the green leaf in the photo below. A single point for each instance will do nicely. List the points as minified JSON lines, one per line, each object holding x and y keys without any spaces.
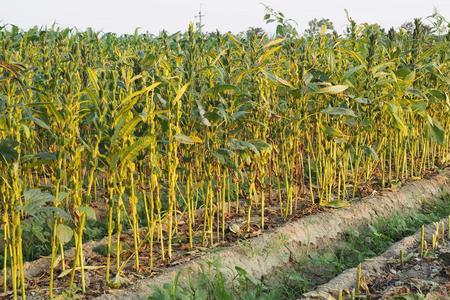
{"x":39,"y":159}
{"x":370,"y":152}
{"x":36,"y":195}
{"x":37,"y":232}
{"x":64,"y":233}
{"x":339,"y":111}
{"x":405,"y":74}
{"x":318,"y":75}
{"x":123,"y":129}
{"x":396,"y":111}
{"x":40,"y":123}
{"x":239,"y":115}
{"x":222,"y":88}
{"x":262,"y":146}
{"x":379,"y":68}
{"x":275,"y":78}
{"x":362,"y":100}
{"x":130,"y":152}
{"x":89,"y":211}
{"x":237,"y":145}
{"x":35,"y":201}
{"x":224,"y":156}
{"x":8,"y":152}
{"x":281,"y":30}
{"x":436,"y":130}
{"x":334,"y":133}
{"x":419,"y":106}
{"x":128,"y":102}
{"x":59,"y":212}
{"x":352,"y":71}
{"x":438,"y":95}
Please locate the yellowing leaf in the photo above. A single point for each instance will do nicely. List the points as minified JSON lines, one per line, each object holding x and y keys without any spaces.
{"x":64,"y":233}
{"x":274,"y":42}
{"x":332,"y":89}
{"x":188,"y":140}
{"x":338,"y":204}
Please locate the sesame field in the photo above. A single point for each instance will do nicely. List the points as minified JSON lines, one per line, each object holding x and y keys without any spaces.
{"x":124,"y":155}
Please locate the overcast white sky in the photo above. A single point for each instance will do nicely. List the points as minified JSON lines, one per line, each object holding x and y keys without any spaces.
{"x":226,"y":15}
